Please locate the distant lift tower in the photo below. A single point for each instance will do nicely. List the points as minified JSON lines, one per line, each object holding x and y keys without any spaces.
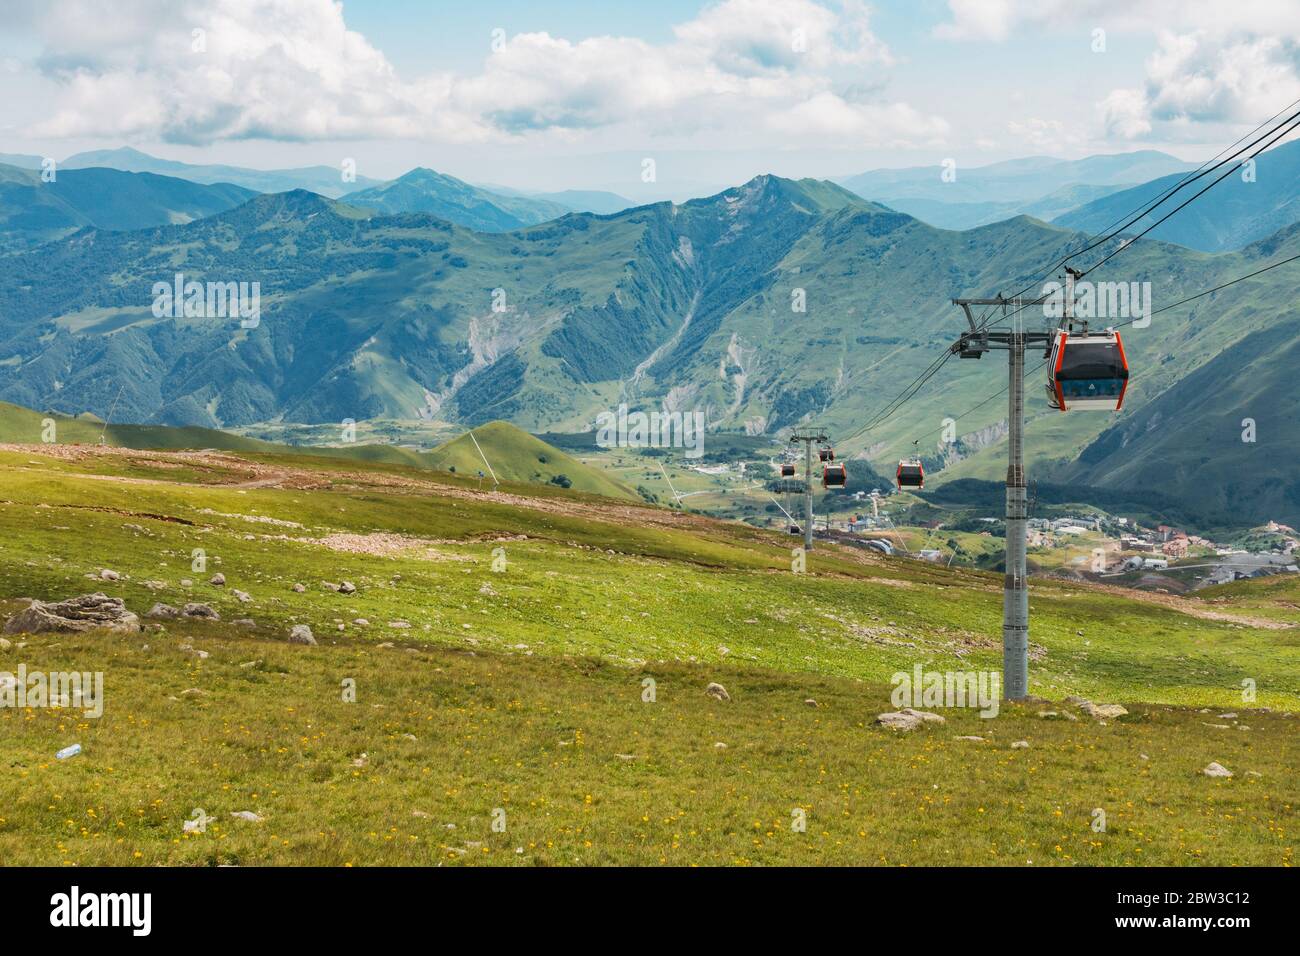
{"x":1015,"y":589}
{"x":809,"y":438}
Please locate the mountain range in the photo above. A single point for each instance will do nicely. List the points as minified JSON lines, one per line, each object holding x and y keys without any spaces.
{"x":771,"y":304}
{"x":326,"y":180}
{"x":423,"y":190}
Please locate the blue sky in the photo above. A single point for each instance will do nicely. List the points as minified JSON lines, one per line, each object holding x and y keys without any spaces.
{"x":577,"y":94}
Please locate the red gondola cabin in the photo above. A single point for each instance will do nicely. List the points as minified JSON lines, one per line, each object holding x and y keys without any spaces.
{"x":1087,"y":371}
{"x":911,"y":474}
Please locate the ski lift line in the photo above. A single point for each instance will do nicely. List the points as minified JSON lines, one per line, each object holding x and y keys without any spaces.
{"x":1204,"y":169}
{"x":495,"y":482}
{"x":1182,"y":205}
{"x":1251,"y":275}
{"x":109,"y":417}
{"x":1002,"y":391}
{"x":1110,"y":231}
{"x":783,"y":511}
{"x":676,"y":496}
{"x":1276,"y":133}
{"x":1209,"y":166}
{"x":903,"y":397}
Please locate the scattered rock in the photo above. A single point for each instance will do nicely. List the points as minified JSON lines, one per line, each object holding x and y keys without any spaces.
{"x":200,"y":610}
{"x":242,"y":596}
{"x":717,"y":692}
{"x":244,"y":622}
{"x":248,"y":816}
{"x":719,"y":746}
{"x":299,"y":588}
{"x":361,"y":622}
{"x":810,"y":702}
{"x":970,"y":737}
{"x":5,"y":644}
{"x":1020,"y":745}
{"x":217,"y":579}
{"x":329,"y":586}
{"x":107,"y":575}
{"x":399,"y":624}
{"x":908,"y":719}
{"x":193,"y":693}
{"x":1217,"y":770}
{"x":74,"y":615}
{"x":1228,"y":716}
{"x":347,"y":587}
{"x":162,"y":610}
{"x":1104,"y":711}
{"x":361,"y":761}
{"x":301,"y":634}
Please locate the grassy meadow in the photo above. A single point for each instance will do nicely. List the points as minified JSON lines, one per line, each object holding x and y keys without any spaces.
{"x":500,"y":646}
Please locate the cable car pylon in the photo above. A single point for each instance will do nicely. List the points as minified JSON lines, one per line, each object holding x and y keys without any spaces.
{"x":809,"y":438}
{"x":1015,"y":589}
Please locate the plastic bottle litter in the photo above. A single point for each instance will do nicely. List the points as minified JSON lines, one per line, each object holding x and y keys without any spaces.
{"x":67,"y":752}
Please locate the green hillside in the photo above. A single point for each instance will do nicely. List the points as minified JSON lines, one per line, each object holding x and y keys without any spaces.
{"x":517,"y":456}
{"x":33,"y":212}
{"x":1235,"y":213}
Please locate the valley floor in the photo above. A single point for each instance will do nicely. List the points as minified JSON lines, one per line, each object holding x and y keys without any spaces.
{"x":500,"y":646}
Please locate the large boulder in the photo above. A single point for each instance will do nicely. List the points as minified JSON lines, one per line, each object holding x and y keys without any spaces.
{"x":908,"y":719}
{"x":73,"y":615}
{"x":301,"y":634}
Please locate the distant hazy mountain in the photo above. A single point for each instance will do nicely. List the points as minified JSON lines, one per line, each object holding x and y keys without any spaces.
{"x":1232,"y":214}
{"x":588,"y":200}
{"x":599,"y":201}
{"x":968,"y":215}
{"x":21,"y":160}
{"x":326,"y":180}
{"x":427,"y":191}
{"x":33,"y":212}
{"x":1013,"y":180}
{"x":1037,"y":186}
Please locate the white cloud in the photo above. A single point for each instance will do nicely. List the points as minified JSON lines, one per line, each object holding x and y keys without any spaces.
{"x":292,"y":70}
{"x":1196,"y":78}
{"x":1227,"y":64}
{"x":999,"y":20}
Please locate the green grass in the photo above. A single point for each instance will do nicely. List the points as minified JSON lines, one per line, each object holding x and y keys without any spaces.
{"x":522,"y":686}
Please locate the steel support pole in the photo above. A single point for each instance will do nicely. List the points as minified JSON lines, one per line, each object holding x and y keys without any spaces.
{"x":1015,"y":593}
{"x":807,"y":499}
